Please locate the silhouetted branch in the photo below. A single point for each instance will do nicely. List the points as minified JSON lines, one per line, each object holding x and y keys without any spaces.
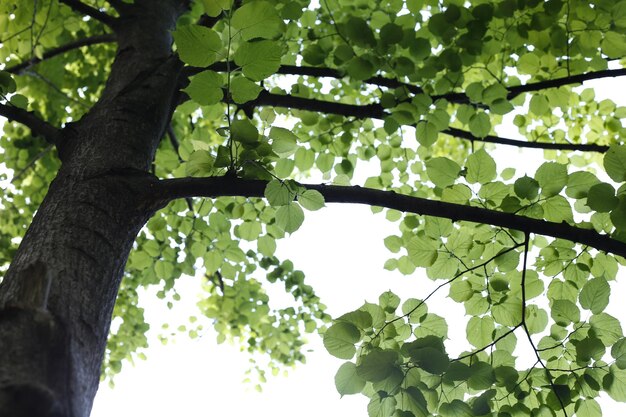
{"x":92,"y":40}
{"x":170,"y":189}
{"x":558,"y":82}
{"x":30,"y":120}
{"x":376,"y":111}
{"x":80,"y":7}
{"x":453,"y":97}
{"x":321,"y":72}
{"x":583,"y":147}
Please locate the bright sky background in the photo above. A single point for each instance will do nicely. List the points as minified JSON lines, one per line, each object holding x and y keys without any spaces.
{"x":340,"y":249}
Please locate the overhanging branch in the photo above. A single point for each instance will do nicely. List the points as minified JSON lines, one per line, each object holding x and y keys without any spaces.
{"x":453,"y":97}
{"x":30,"y":120}
{"x":170,"y":189}
{"x":80,"y":7}
{"x":376,"y":111}
{"x":92,"y":40}
{"x":590,"y":147}
{"x":558,"y":82}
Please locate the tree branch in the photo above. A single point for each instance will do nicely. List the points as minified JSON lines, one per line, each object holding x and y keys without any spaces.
{"x":170,"y":189}
{"x":80,"y":7}
{"x":92,"y":40}
{"x":376,"y":111}
{"x":30,"y":120}
{"x":320,"y":72}
{"x":453,"y":97}
{"x":558,"y":82}
{"x":583,"y":147}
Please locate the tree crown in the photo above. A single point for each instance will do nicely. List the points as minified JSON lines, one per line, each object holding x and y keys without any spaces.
{"x":396,"y":104}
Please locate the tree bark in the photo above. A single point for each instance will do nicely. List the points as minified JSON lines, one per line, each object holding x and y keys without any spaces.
{"x":57,"y":297}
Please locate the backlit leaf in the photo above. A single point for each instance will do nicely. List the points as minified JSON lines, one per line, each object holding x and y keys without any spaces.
{"x":257,"y":19}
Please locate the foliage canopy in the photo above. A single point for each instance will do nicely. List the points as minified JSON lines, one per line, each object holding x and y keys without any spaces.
{"x":273,"y":92}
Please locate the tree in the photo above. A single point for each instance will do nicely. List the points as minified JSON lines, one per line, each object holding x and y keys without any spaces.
{"x":139,"y":161}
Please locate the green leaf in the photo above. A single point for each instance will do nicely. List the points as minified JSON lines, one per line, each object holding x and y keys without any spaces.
{"x":266,"y":245}
{"x":7,"y":83}
{"x":249,"y":230}
{"x":197,"y":45}
{"x":284,"y":142}
{"x":413,"y":403}
{"x":381,"y":406}
{"x":258,"y":60}
{"x":278,"y":194}
{"x":389,"y":301}
{"x":426,"y":133}
{"x":422,"y":251}
{"x":377,"y":365}
{"x":347,"y":381}
{"x":456,"y":408}
{"x":551,"y":177}
{"x":481,"y":168}
{"x":314,"y":55}
{"x":257,"y":19}
{"x":480,"y":125}
{"x":340,"y":338}
{"x":606,"y":328}
{"x":482,"y":376}
{"x":564,"y":312}
{"x":431,"y":325}
{"x":601,"y":198}
{"x":311,"y":200}
{"x":614,"y":383}
{"x":200,"y":163}
{"x":19,"y":101}
{"x":244,"y":90}
{"x":614,"y":44}
{"x":244,"y":131}
{"x":359,"y":32}
{"x":557,"y":209}
{"x":480,"y":331}
{"x":442,"y":171}
{"x":361,"y":319}
{"x":526,"y":187}
{"x":578,"y":184}
{"x":615,"y":163}
{"x":289,"y":218}
{"x":588,"y":407}
{"x":215,"y":7}
{"x":391,"y":33}
{"x":508,"y":312}
{"x":431,"y":360}
{"x":206,"y":88}
{"x":536,"y":319}
{"x":360,"y":68}
{"x":595,"y":295}
{"x":618,"y":351}
{"x":539,"y":105}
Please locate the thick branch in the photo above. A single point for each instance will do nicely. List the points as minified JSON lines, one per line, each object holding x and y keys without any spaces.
{"x":30,"y":120}
{"x":80,"y":7}
{"x":92,"y":40}
{"x":376,"y":111}
{"x":170,"y":189}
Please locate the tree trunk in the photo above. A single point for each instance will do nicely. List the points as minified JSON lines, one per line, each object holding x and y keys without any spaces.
{"x":57,"y":297}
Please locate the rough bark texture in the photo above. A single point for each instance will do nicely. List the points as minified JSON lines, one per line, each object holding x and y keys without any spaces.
{"x":57,"y":298}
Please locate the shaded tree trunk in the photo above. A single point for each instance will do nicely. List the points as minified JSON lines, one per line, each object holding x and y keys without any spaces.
{"x":57,"y":298}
